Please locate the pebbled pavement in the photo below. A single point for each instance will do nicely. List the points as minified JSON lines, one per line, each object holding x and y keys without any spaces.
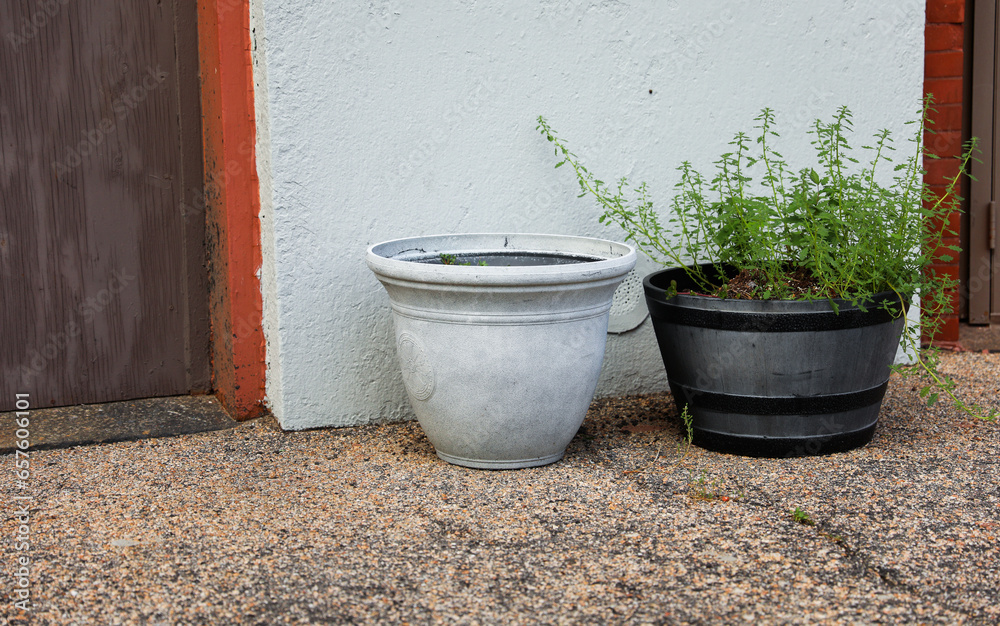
{"x":365,"y":525}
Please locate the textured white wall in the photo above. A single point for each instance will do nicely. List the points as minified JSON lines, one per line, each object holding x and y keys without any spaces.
{"x":381,"y":120}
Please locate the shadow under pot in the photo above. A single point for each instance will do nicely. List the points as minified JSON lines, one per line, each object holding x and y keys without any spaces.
{"x":500,"y":338}
{"x":775,"y":378}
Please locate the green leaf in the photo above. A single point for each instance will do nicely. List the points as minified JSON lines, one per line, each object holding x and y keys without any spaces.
{"x":560,"y":164}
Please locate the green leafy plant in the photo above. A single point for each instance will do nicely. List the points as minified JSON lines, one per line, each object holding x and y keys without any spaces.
{"x":688,"y":426}
{"x":801,"y":517}
{"x":839,"y":228}
{"x":702,"y":489}
{"x":684,"y":448}
{"x":451,"y":259}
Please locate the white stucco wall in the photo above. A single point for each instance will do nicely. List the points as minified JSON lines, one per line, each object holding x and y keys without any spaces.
{"x":386,"y":119}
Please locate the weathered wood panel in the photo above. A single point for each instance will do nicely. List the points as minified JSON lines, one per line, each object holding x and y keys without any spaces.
{"x":102,"y":273}
{"x":984,"y":258}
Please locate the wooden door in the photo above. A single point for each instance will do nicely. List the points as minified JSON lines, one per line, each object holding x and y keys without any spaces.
{"x":983,"y":280}
{"x":103,"y":282}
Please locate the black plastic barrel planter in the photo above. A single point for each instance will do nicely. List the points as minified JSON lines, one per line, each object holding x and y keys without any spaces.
{"x":775,"y":377}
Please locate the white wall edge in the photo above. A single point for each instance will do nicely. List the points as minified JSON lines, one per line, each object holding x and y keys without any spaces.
{"x":268,"y":273}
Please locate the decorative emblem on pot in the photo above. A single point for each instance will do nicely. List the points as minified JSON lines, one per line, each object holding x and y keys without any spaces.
{"x":418,"y":375}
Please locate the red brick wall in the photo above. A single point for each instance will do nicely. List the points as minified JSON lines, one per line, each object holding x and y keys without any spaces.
{"x":943,"y":70}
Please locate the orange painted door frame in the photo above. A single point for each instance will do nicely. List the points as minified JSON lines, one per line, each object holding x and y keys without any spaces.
{"x":232,"y":205}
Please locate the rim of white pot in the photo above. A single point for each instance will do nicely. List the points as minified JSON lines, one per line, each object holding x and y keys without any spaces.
{"x":401,"y":258}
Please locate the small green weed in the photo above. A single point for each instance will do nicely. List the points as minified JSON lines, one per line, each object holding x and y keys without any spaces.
{"x":708,"y":491}
{"x":451,"y":259}
{"x":802,"y":517}
{"x":688,"y":426}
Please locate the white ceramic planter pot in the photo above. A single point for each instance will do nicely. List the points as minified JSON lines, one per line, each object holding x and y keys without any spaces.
{"x":500,"y":361}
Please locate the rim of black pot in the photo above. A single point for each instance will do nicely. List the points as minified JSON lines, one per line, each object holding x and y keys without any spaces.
{"x":693,"y":309}
{"x":656,"y":284}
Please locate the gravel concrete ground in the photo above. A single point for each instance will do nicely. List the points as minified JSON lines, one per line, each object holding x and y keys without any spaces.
{"x":366,"y":525}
